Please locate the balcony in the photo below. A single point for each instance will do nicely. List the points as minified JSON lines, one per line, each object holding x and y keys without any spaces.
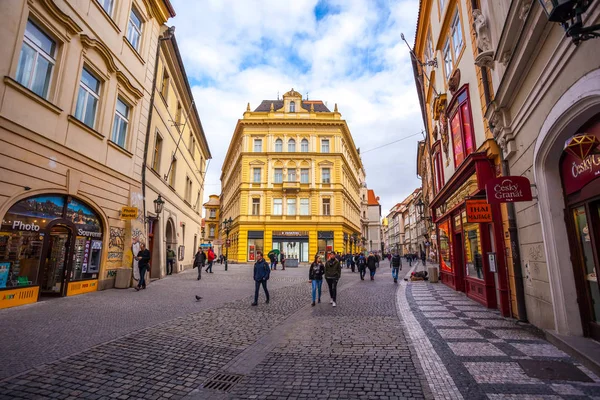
{"x":291,"y":186}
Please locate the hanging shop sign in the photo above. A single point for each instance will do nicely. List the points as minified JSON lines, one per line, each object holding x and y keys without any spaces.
{"x":478,"y":211}
{"x":508,"y":189}
{"x":129,"y":212}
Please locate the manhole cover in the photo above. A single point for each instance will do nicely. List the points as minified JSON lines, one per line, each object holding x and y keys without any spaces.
{"x":553,"y":370}
{"x":223,"y":382}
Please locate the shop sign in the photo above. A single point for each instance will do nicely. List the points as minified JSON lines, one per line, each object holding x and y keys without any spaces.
{"x":20,"y":226}
{"x":129,"y":212}
{"x":81,"y":232}
{"x":479,"y":211}
{"x":578,"y":173}
{"x":290,"y":233}
{"x":508,"y":189}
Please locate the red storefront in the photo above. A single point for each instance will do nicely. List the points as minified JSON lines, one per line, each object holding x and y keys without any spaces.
{"x":471,"y":254}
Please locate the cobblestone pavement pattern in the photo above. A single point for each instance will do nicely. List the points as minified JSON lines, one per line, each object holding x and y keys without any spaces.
{"x":470,"y":352}
{"x":356,"y":350}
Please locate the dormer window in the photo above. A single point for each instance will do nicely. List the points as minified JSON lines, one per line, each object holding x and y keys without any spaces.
{"x":292,"y":106}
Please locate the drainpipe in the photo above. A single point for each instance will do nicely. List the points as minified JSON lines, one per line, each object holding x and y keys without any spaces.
{"x":167,"y":35}
{"x":513,"y":232}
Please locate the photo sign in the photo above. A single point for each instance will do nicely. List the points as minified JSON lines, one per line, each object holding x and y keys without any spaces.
{"x":508,"y":189}
{"x":479,"y":211}
{"x":129,"y":212}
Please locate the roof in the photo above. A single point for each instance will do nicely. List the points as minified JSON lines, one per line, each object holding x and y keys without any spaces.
{"x":371,"y":199}
{"x":169,"y":6}
{"x":277,"y":104}
{"x":213,"y":201}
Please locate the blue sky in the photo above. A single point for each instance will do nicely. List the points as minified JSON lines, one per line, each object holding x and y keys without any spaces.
{"x":347,"y":52}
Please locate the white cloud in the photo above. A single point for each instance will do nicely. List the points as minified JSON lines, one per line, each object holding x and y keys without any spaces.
{"x":240,"y":51}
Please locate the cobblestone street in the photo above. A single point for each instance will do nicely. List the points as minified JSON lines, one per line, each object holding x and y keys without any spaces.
{"x":382,"y":341}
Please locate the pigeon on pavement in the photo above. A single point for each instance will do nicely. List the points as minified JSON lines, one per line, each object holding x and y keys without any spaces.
{"x":198,"y":298}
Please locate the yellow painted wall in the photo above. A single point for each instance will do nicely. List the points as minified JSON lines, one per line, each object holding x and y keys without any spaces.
{"x":18,"y":297}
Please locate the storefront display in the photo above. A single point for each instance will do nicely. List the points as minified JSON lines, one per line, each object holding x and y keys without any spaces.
{"x":445,"y":246}
{"x":473,"y":256}
{"x":255,"y":244}
{"x":293,"y":244}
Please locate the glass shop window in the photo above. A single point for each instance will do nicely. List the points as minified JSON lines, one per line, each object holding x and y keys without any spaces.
{"x":20,"y":254}
{"x":445,"y":246}
{"x":473,"y":254}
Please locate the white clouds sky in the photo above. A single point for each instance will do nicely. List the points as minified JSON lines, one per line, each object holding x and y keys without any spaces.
{"x":347,"y":52}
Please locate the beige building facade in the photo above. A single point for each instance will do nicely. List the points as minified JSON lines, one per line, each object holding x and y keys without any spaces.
{"x":547,"y":93}
{"x":176,"y":160}
{"x":74,"y":104}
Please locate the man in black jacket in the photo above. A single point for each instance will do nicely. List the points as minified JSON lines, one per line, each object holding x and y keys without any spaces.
{"x":333,"y":273}
{"x":396,"y":266}
{"x":261,"y":276}
{"x":199,"y":261}
{"x":143,"y":258}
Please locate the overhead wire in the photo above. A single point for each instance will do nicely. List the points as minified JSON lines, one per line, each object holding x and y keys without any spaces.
{"x":395,"y":141}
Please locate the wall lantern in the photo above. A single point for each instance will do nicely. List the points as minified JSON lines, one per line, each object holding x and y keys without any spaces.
{"x":568,"y":14}
{"x":581,"y":145}
{"x":158,"y":205}
{"x":420,"y":208}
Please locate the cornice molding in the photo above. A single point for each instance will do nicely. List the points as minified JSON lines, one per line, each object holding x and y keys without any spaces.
{"x":101,"y":48}
{"x":60,"y":15}
{"x":123,"y":80}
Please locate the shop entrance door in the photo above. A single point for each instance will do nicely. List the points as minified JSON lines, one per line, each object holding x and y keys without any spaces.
{"x":585,"y":256}
{"x":55,"y":264}
{"x":459,"y":266}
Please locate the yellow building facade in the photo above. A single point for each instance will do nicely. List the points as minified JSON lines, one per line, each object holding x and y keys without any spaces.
{"x":291,"y":181}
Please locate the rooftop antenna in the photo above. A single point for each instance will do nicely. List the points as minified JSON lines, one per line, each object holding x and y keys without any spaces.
{"x":278,"y":95}
{"x":306,"y":95}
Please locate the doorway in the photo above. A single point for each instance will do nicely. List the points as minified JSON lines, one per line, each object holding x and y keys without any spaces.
{"x":56,"y":265}
{"x":586,"y":251}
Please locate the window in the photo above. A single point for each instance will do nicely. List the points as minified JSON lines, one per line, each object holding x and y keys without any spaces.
{"x":461,"y":125}
{"x":429,"y":52}
{"x":325,"y":175}
{"x":107,"y":5}
{"x":87,"y":100}
{"x":277,"y":207}
{"x":255,"y":206}
{"x":192,"y":146}
{"x":134,"y":29}
{"x":326,"y":207}
{"x":456,"y":32}
{"x":119,"y":133}
{"x":292,"y":106}
{"x":178,"y":115}
{"x":213,"y":214}
{"x":304,"y":207}
{"x":291,"y":174}
{"x":158,"y":141}
{"x":291,"y":207}
{"x":258,"y":145}
{"x":164,"y":88}
{"x":278,"y":177}
{"x":439,"y":171}
{"x":304,"y":146}
{"x":36,"y":61}
{"x":325,"y":146}
{"x":188,"y":189}
{"x":292,"y":146}
{"x":279,"y":145}
{"x":256,"y":175}
{"x":447,"y":59}
{"x":211,"y":231}
{"x":173,"y":172}
{"x":304,"y":175}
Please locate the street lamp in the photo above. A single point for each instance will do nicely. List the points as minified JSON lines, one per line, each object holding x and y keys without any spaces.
{"x":370,"y":245}
{"x":158,"y":207}
{"x":568,"y":14}
{"x":226,"y":225}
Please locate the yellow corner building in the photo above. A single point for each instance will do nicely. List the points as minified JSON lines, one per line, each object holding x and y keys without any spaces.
{"x":291,"y":181}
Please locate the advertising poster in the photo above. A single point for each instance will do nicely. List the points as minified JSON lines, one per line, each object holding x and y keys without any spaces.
{"x":251,"y":253}
{"x":4,"y":268}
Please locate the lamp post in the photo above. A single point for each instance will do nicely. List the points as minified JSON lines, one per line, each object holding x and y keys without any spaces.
{"x":158,"y":207}
{"x":370,"y":245}
{"x":568,"y":14}
{"x":226,"y":225}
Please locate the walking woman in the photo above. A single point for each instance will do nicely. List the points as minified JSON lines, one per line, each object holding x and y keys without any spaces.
{"x":333,"y":272}
{"x":199,"y":261}
{"x":315,"y":275}
{"x":372,"y":264}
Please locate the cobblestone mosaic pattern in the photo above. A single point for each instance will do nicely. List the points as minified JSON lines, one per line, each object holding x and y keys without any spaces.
{"x":480,"y":350}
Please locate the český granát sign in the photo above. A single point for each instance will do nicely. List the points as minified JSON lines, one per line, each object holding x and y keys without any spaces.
{"x":508,"y":189}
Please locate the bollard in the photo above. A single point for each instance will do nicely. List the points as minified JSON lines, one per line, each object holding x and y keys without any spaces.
{"x":433,"y":274}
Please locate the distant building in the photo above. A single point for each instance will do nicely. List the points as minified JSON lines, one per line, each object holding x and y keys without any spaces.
{"x":373,"y":233}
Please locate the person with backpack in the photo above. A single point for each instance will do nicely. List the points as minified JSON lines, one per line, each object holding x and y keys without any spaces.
{"x":333,"y":273}
{"x":210,"y":256}
{"x":199,"y":260}
{"x":362,"y":266}
{"x":273,"y":258}
{"x":282,"y":261}
{"x":261,"y":276}
{"x":372,"y":265}
{"x":170,"y":260}
{"x":315,"y":275}
{"x":396,"y":264}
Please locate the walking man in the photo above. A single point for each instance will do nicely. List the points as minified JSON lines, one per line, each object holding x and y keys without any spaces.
{"x":396,"y":264}
{"x":210,"y":256}
{"x":423,"y":257}
{"x":372,"y":265}
{"x":170,"y":260}
{"x":143,"y":258}
{"x":333,"y":272}
{"x":362,"y":266}
{"x":261,"y":276}
{"x":199,"y":260}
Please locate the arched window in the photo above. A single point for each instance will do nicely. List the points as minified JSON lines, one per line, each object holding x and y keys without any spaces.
{"x":279,"y":145}
{"x":291,"y":145}
{"x":304,"y":146}
{"x":292,"y":106}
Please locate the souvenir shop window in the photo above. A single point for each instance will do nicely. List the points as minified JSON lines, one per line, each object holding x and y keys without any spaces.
{"x":445,"y":246}
{"x":324,"y":245}
{"x":87,"y":256}
{"x":20,"y":254}
{"x":473,"y":253}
